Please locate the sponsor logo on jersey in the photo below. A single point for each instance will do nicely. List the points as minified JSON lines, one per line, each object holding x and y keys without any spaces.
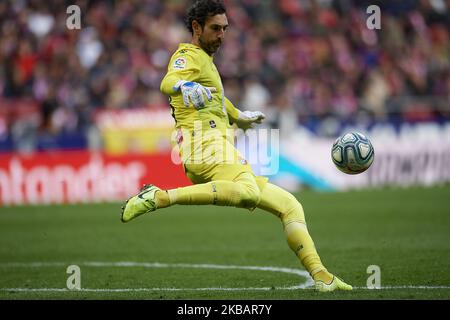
{"x":179,"y":63}
{"x":242,"y":160}
{"x":179,"y":137}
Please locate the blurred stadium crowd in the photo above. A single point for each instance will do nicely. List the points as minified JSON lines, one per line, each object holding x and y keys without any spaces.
{"x":300,"y":61}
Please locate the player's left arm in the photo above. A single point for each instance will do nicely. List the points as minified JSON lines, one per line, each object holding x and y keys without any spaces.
{"x":243,"y":119}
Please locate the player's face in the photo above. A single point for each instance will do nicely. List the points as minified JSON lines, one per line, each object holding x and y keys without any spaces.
{"x":213,"y":33}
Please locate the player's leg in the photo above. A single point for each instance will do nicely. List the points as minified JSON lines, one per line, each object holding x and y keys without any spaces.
{"x":218,"y":182}
{"x":285,"y":206}
{"x":241,"y":192}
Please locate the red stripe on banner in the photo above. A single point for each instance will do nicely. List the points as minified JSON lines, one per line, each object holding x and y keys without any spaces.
{"x":82,"y":176}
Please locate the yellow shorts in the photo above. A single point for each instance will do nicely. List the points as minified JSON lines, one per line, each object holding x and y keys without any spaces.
{"x":222,"y":161}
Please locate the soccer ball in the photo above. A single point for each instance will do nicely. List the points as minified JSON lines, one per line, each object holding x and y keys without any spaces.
{"x":352,"y":153}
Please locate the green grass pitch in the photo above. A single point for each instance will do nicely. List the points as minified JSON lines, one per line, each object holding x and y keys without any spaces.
{"x":406,"y":232}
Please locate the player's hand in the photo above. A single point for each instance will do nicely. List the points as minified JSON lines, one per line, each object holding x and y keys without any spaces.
{"x":248,"y":119}
{"x":193,"y":91}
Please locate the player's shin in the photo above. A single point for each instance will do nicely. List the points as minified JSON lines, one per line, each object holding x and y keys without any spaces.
{"x":301,"y":243}
{"x":285,"y":206}
{"x":220,"y":192}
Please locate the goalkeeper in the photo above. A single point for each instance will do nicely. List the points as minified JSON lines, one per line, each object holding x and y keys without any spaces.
{"x":222,"y":177}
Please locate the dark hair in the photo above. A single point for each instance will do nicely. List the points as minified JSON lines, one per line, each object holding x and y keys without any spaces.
{"x":202,"y":10}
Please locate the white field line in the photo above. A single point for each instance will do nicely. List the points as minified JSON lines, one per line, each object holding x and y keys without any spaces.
{"x":124,"y":290}
{"x":304,"y":274}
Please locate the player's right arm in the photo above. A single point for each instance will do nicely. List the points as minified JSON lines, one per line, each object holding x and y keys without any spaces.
{"x":182,"y":67}
{"x":183,"y":71}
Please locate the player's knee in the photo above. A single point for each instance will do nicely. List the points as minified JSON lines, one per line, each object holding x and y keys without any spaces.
{"x":250,"y":196}
{"x":292,"y":211}
{"x":250,"y":193}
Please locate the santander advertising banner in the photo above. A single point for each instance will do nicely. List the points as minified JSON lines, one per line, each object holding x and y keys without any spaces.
{"x":82,"y":176}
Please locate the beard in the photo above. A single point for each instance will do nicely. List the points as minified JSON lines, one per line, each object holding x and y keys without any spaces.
{"x":210,"y":47}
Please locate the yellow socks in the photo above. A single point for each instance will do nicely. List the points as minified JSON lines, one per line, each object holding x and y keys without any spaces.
{"x":162,"y":199}
{"x":323,"y":276}
{"x":285,"y":206}
{"x":243,"y":192}
{"x":302,"y":244}
{"x":223,"y":193}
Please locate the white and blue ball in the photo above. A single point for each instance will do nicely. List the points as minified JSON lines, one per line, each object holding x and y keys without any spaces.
{"x":352,"y":153}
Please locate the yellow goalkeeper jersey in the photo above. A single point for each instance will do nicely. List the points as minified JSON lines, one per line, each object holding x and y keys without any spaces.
{"x":191,"y":63}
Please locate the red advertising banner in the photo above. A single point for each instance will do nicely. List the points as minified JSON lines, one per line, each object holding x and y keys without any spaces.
{"x":83,"y":176}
